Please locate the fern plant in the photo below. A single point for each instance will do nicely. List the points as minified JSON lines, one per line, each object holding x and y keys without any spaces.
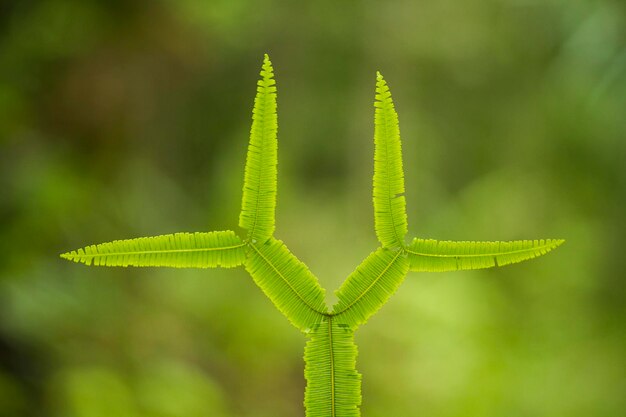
{"x":333,"y":384}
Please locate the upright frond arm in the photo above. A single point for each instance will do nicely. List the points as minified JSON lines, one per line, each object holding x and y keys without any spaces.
{"x":389,"y":202}
{"x":258,"y":205}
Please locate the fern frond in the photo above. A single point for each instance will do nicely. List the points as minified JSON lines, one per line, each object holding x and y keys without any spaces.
{"x":370,"y":286}
{"x":287,"y":282}
{"x":389,"y":202}
{"x":437,"y":256}
{"x":258,"y":205}
{"x":333,"y":386}
{"x":179,"y":250}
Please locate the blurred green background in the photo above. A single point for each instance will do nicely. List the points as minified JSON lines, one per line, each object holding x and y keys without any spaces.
{"x":121,"y":119}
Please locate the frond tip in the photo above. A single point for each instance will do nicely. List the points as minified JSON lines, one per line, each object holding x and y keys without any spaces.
{"x":179,"y":250}
{"x":428,"y":255}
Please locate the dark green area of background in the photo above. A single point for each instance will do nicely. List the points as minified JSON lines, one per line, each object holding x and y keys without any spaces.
{"x":121,"y":119}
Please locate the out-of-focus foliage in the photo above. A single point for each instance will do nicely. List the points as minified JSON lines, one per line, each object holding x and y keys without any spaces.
{"x":124,"y":118}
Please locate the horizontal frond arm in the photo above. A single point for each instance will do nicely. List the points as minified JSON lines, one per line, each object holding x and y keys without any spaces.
{"x":370,"y":286}
{"x":286,"y":281}
{"x":179,"y":250}
{"x":390,"y":218}
{"x":427,"y":255}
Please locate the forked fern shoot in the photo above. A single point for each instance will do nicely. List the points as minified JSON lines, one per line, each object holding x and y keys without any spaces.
{"x":333,"y":384}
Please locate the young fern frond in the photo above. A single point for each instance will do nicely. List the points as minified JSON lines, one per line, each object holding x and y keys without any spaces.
{"x":427,"y":255}
{"x":179,"y":250}
{"x":287,"y":282}
{"x":370,"y":286}
{"x":389,"y":202}
{"x":258,"y":204}
{"x":333,"y":386}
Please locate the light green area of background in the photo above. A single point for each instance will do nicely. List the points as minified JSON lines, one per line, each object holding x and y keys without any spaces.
{"x":121,"y":119}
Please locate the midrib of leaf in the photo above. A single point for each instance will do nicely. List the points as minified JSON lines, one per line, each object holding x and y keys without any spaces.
{"x":97,"y":255}
{"x":267,"y":261}
{"x":370,"y":286}
{"x":332,"y":366}
{"x":476,"y":255}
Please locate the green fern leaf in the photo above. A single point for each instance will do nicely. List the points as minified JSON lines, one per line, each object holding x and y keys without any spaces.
{"x":370,"y":286}
{"x":180,"y":250}
{"x":258,"y":205}
{"x":438,"y":256}
{"x":333,"y":385}
{"x":287,"y":282}
{"x":389,"y":202}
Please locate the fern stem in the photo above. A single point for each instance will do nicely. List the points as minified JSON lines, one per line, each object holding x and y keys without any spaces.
{"x":332,"y":366}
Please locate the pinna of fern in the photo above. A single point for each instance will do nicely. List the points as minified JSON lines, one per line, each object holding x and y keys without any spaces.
{"x":333,"y":384}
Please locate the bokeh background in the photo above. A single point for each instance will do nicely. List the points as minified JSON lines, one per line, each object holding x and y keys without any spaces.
{"x":128,"y":118}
